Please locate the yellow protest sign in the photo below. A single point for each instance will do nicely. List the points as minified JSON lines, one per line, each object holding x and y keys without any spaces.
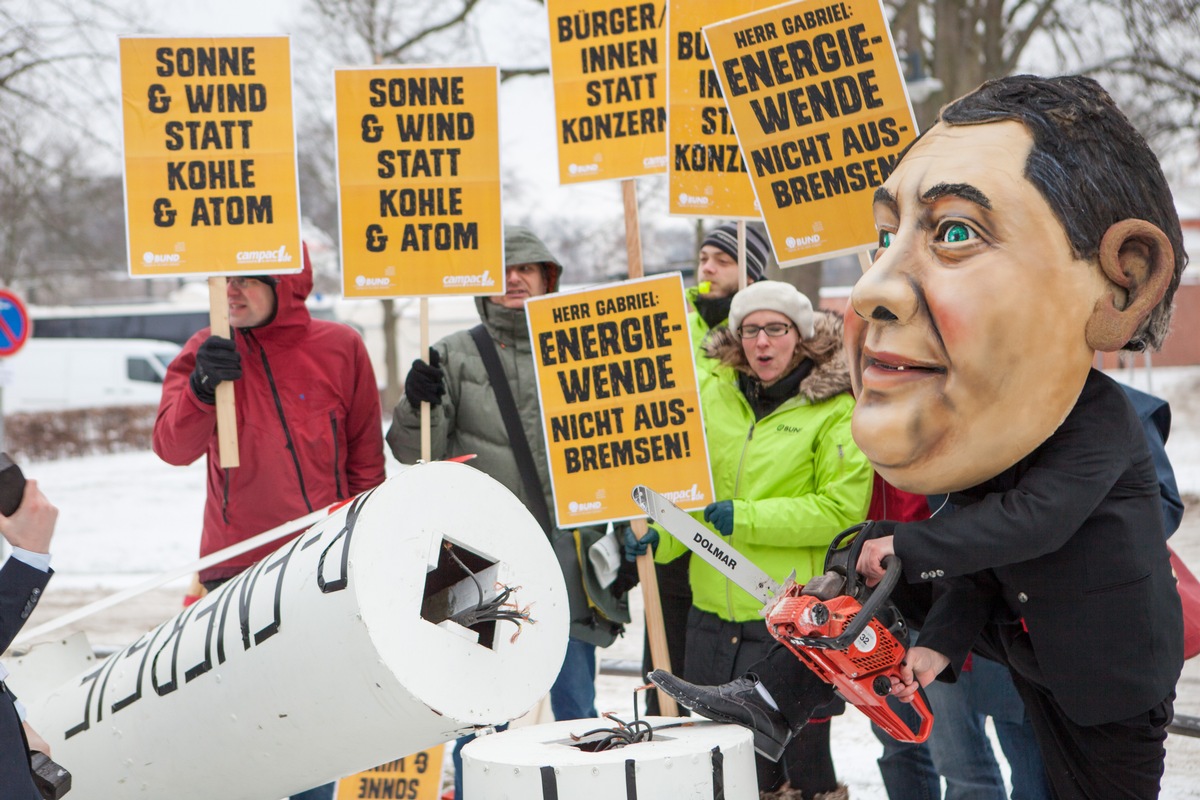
{"x":210,"y":156}
{"x":617,"y":383}
{"x":608,"y":67}
{"x":419,"y":181}
{"x":415,"y":777}
{"x":706,"y":174}
{"x":818,"y":100}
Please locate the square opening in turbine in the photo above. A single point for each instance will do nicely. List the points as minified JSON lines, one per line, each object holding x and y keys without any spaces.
{"x":459,"y":588}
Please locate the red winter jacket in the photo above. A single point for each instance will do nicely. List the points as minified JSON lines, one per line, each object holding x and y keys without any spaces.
{"x":309,"y":425}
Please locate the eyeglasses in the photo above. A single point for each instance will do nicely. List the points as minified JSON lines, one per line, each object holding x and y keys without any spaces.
{"x":242,"y":283}
{"x":773,"y":329}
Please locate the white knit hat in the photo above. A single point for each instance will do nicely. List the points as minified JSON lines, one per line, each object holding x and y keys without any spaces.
{"x":773,"y":296}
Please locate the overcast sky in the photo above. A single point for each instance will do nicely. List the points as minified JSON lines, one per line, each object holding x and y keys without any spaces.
{"x":510,"y":33}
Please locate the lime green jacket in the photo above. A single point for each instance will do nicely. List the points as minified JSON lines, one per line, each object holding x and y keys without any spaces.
{"x":796,"y":477}
{"x":699,"y":330}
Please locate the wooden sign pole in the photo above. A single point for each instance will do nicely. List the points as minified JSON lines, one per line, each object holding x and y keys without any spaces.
{"x":660,"y":657}
{"x":218,"y":316}
{"x":426,"y":423}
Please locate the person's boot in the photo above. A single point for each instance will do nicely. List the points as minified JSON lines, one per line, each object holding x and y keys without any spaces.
{"x":737,"y":702}
{"x":785,"y":792}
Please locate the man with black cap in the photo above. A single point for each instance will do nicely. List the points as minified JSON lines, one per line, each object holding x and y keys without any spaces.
{"x":308,"y":419}
{"x":717,"y":282}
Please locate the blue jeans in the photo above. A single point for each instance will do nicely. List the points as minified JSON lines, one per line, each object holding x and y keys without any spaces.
{"x":907,"y":767}
{"x":573,"y":696}
{"x":326,"y":792}
{"x":958,"y":748}
{"x":959,"y":742}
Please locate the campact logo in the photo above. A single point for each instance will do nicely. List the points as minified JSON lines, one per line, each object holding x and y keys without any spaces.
{"x":582,"y":169}
{"x":685,"y":495}
{"x":363,"y":282}
{"x":653,"y":162}
{"x":280,"y":256}
{"x":154,"y":259}
{"x":796,"y":242}
{"x":483,"y":279}
{"x":584,"y":508}
{"x":686,"y":199}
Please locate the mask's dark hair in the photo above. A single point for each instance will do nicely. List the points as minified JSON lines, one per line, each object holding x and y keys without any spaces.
{"x":1088,"y":162}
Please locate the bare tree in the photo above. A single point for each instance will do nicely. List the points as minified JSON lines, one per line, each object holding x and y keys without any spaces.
{"x":1155,"y":75}
{"x":1142,"y":50}
{"x":52,"y":134}
{"x":378,"y":32}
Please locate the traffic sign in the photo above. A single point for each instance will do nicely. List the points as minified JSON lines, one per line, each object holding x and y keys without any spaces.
{"x":14,"y":323}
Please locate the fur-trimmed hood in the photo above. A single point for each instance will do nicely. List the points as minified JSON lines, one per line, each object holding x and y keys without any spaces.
{"x":830,"y":375}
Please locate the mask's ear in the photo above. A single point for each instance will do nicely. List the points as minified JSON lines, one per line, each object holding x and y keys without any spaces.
{"x":1137,"y":262}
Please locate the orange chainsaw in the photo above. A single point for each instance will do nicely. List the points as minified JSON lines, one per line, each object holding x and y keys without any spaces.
{"x":852,"y":636}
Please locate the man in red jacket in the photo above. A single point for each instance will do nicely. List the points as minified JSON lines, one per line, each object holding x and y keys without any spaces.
{"x":308,"y":418}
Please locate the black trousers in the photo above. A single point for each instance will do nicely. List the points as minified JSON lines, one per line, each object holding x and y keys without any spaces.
{"x":719,"y":651}
{"x":675,"y":596}
{"x":796,"y":689}
{"x":1122,"y":760}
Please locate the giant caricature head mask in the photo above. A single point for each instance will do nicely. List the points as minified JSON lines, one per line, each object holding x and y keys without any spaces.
{"x":1028,"y":228}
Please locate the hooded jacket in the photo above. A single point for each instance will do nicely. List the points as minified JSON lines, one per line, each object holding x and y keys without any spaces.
{"x":795,"y":476}
{"x":308,"y":423}
{"x":468,"y":421}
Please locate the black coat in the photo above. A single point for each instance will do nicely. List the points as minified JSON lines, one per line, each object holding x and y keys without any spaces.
{"x":20,"y":588}
{"x":1069,"y":540}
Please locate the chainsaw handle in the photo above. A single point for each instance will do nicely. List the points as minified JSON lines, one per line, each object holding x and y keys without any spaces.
{"x":842,"y":556}
{"x":884,"y":718}
{"x":891,"y":576}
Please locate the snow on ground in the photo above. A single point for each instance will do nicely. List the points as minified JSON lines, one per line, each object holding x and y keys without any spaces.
{"x":124,"y":518}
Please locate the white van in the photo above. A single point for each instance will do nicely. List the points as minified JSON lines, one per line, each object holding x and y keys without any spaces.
{"x":61,"y":374}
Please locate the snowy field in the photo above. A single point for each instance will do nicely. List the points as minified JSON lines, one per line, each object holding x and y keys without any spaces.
{"x":127,"y":517}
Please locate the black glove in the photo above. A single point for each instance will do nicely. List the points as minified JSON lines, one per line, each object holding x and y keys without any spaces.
{"x":425,"y":383}
{"x":217,"y":360}
{"x":627,"y":577}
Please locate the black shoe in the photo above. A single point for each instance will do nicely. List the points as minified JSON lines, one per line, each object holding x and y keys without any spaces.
{"x":737,"y":702}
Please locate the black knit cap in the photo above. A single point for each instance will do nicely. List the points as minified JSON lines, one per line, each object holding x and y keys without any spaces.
{"x":724,"y":237}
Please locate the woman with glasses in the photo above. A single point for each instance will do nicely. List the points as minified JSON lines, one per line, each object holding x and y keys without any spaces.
{"x":788,"y":478}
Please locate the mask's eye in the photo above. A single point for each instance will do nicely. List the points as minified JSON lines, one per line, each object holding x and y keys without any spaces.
{"x":885,"y":239}
{"x":956,"y":232}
